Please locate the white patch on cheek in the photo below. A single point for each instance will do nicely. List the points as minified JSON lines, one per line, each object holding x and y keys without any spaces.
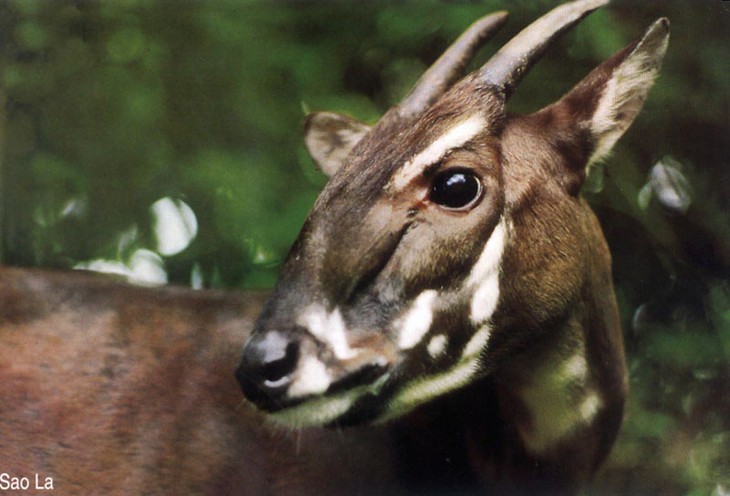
{"x":417,"y":321}
{"x":312,"y":378}
{"x":484,"y":276}
{"x":437,"y":345}
{"x":329,"y":329}
{"x":477,"y":342}
{"x":455,"y":137}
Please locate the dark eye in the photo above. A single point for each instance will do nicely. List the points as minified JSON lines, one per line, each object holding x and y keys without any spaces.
{"x":456,"y":189}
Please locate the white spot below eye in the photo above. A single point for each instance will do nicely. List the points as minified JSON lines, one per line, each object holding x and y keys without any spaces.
{"x":437,"y":345}
{"x":417,"y":321}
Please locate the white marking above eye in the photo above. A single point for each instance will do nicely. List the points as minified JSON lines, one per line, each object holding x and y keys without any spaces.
{"x":416,"y":323}
{"x":456,"y":136}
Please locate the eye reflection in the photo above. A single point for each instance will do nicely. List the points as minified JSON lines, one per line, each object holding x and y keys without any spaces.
{"x":456,"y":189}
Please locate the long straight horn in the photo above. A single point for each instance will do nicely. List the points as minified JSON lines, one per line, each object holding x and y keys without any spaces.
{"x":507,"y":67}
{"x":450,"y":66}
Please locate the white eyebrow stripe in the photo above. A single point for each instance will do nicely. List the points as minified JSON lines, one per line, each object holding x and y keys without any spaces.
{"x":456,"y":136}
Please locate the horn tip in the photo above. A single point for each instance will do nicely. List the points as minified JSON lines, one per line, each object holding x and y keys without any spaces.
{"x":492,"y":21}
{"x":500,"y":15}
{"x":592,"y":4}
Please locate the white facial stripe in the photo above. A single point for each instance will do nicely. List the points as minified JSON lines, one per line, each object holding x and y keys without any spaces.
{"x":329,"y":329}
{"x":455,"y":137}
{"x":312,"y":378}
{"x":485,"y":275}
{"x":417,"y":321}
{"x":437,"y":345}
{"x":477,"y":342}
{"x":427,"y":388}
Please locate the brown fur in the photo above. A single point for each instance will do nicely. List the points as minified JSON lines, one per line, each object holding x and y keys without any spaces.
{"x":113,"y":389}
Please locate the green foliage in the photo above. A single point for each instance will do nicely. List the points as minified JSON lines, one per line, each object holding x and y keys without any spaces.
{"x":110,"y":106}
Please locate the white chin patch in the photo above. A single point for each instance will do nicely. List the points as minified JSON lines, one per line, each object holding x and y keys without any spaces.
{"x":327,"y":409}
{"x":316,"y":412}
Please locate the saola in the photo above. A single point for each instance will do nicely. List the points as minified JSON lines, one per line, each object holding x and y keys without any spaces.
{"x":450,"y":292}
{"x":451,"y":272}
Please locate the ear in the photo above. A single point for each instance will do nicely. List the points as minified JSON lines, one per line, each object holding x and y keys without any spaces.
{"x":606,"y":102}
{"x":330,"y":137}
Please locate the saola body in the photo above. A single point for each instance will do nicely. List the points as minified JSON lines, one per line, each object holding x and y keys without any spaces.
{"x":450,"y":286}
{"x":108,"y":388}
{"x":451,"y":276}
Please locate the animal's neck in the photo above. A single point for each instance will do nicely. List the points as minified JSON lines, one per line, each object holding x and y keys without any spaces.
{"x":541,"y":405}
{"x":548,"y":391}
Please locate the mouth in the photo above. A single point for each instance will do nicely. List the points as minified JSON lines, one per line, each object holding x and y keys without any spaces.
{"x":350,"y":401}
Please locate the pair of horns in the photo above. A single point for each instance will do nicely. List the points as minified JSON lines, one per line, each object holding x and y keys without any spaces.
{"x":507,"y":67}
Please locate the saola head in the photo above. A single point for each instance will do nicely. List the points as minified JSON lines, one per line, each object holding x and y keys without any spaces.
{"x":448,"y":235}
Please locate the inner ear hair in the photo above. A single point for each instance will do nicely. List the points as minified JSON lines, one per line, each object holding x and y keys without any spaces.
{"x":627,"y":89}
{"x":330,"y":137}
{"x":611,"y":96}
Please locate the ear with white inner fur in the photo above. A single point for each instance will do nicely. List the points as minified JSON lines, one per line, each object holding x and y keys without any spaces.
{"x":610,"y":97}
{"x":330,"y":137}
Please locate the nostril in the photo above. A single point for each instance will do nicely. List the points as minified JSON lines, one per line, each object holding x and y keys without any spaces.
{"x":268,"y":361}
{"x":279,"y":366}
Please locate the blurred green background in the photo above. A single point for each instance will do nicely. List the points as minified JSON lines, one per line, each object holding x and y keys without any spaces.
{"x":161,"y":140}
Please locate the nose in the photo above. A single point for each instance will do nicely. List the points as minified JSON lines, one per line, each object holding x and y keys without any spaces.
{"x":267,"y":365}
